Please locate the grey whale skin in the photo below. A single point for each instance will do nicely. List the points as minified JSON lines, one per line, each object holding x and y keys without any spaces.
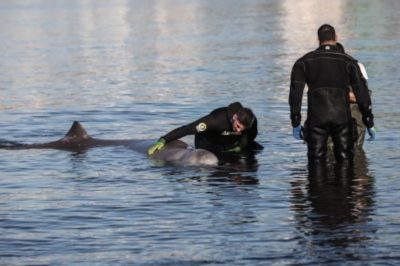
{"x":77,"y":139}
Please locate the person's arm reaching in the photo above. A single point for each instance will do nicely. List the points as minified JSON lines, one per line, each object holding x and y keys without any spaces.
{"x":198,"y":126}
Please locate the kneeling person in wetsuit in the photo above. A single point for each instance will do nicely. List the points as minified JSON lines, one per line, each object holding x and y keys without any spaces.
{"x":225,"y":129}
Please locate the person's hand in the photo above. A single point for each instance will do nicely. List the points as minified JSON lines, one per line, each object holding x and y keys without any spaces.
{"x":352,"y":97}
{"x":298,"y":132}
{"x":156,"y":146}
{"x":371,"y":133}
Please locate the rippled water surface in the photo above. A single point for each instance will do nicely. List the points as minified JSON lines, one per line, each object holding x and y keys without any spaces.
{"x":137,"y":69}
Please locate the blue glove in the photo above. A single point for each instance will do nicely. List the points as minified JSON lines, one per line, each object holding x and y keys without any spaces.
{"x":298,"y":132}
{"x":371,"y":133}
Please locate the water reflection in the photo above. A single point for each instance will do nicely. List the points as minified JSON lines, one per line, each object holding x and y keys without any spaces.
{"x":333,"y":205}
{"x":223,"y":195}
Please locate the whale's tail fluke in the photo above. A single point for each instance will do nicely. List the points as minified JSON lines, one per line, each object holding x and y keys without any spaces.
{"x":6,"y":144}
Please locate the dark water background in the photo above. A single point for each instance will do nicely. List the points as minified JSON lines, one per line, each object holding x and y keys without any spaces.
{"x":136,"y":69}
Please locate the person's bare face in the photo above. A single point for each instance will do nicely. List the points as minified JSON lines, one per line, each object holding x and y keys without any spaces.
{"x":236,"y":125}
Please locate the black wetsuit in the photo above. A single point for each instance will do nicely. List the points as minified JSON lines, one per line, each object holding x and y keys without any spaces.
{"x":328,"y":73}
{"x":214,"y":131}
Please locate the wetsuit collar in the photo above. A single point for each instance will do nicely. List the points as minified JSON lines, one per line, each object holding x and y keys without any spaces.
{"x":329,"y":47}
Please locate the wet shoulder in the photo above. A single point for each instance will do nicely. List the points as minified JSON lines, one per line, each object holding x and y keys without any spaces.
{"x":327,"y":53}
{"x":218,"y":111}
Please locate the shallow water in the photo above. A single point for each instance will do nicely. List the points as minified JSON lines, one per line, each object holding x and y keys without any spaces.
{"x":136,"y":69}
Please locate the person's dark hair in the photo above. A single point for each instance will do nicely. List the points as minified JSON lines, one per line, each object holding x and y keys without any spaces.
{"x":326,"y":33}
{"x":246,"y":117}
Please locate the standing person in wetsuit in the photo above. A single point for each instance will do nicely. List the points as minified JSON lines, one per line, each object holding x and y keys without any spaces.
{"x":328,"y":73}
{"x":225,"y":129}
{"x":359,"y":127}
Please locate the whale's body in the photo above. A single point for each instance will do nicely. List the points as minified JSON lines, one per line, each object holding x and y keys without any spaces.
{"x":77,"y":139}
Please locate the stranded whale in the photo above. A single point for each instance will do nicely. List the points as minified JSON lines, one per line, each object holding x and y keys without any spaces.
{"x":77,"y":139}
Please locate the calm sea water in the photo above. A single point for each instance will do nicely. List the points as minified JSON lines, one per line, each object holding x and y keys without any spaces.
{"x":137,"y":69}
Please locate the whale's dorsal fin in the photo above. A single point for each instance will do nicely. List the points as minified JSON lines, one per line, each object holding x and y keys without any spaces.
{"x":77,"y":131}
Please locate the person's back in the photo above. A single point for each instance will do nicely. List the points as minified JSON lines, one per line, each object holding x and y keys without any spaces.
{"x":327,"y":77}
{"x":329,"y":73}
